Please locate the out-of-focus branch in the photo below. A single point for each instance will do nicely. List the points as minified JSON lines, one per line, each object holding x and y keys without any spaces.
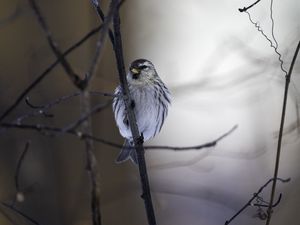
{"x":54,"y":46}
{"x":91,"y":162}
{"x":14,"y":15}
{"x":47,"y":71}
{"x":286,"y":89}
{"x":19,"y":165}
{"x":102,"y":35}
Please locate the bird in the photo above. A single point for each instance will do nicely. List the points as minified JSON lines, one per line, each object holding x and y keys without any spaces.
{"x":150,"y":102}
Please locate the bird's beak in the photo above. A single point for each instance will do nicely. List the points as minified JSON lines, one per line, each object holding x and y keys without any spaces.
{"x":135,"y":73}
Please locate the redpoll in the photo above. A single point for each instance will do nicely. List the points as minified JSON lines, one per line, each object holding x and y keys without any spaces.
{"x":150,"y":102}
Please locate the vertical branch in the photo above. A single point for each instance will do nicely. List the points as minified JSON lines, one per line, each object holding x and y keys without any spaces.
{"x":137,"y":138}
{"x":91,"y":162}
{"x":287,"y":82}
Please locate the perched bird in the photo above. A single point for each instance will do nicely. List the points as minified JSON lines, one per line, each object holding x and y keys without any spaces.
{"x":150,"y":102}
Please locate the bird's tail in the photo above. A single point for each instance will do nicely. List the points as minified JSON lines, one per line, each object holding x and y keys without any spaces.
{"x":127,"y":153}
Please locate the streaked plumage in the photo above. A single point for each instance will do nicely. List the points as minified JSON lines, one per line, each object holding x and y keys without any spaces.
{"x":151,"y":100}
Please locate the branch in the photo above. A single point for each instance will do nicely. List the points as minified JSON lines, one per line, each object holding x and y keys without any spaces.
{"x":54,"y":46}
{"x":106,"y":22}
{"x":255,"y":195}
{"x":138,"y":140}
{"x":250,"y":6}
{"x":287,"y":82}
{"x":91,"y":162}
{"x":101,"y":15}
{"x":33,"y":221}
{"x":58,"y":131}
{"x":195,"y":147}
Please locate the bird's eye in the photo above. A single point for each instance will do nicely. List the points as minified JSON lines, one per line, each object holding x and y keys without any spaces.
{"x":143,"y":67}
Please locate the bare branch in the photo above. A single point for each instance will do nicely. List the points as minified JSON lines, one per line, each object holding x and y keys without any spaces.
{"x":195,"y":147}
{"x":137,"y":138}
{"x":250,"y":6}
{"x":286,"y":89}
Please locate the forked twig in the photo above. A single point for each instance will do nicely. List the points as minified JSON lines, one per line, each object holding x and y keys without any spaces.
{"x":37,"y":80}
{"x":54,"y":46}
{"x":255,"y":195}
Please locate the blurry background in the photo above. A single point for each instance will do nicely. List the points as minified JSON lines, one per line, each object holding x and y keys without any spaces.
{"x":221,"y":72}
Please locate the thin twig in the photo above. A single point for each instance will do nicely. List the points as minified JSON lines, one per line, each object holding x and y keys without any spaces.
{"x":276,"y":43}
{"x":250,"y":6}
{"x":287,"y":82}
{"x":19,"y":164}
{"x":272,"y":45}
{"x":138,"y":140}
{"x":255,"y":195}
{"x":195,"y":147}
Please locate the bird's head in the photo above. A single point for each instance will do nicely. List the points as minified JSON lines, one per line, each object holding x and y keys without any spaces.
{"x":141,"y":71}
